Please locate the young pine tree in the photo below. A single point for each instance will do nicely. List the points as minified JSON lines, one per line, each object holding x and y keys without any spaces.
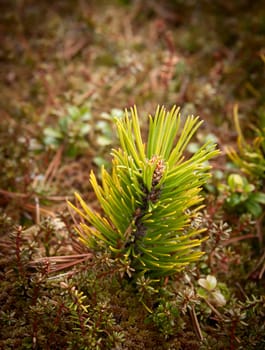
{"x":151,"y":196}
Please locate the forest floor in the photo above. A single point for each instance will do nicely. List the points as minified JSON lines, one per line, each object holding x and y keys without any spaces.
{"x":66,"y":69}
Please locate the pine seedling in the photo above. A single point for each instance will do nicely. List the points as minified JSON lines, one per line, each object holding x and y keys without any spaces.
{"x":151,"y":197}
{"x":250,"y":158}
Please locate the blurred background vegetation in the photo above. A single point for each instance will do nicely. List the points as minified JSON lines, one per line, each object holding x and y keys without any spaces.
{"x":66,"y":69}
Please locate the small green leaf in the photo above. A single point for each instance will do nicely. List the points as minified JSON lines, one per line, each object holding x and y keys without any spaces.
{"x":202,"y":292}
{"x":85,"y":129}
{"x":103,"y":141}
{"x":254,"y":208}
{"x":259,"y":197}
{"x":234,"y":200}
{"x":52,"y":133}
{"x":236,"y":182}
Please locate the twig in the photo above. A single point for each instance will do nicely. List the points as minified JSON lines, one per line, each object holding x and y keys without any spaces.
{"x":237,"y":239}
{"x":261,"y":260}
{"x":43,"y":211}
{"x":58,"y":263}
{"x":259,"y":230}
{"x":53,"y":166}
{"x":214,"y":309}
{"x":14,"y":194}
{"x":18,"y":250}
{"x":37,"y":206}
{"x":195,"y":323}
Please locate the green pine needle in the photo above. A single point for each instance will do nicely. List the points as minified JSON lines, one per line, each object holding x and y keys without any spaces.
{"x":151,"y":196}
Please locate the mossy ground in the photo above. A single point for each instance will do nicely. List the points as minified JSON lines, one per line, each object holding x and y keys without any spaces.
{"x":205,"y":57}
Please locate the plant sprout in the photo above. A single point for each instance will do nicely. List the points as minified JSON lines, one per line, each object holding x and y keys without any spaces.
{"x":151,"y":197}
